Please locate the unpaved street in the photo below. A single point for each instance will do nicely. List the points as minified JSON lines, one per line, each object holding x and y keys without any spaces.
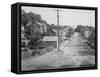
{"x":73,"y":53}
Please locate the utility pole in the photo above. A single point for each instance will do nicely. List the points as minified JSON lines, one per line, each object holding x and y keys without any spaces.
{"x":58,"y":28}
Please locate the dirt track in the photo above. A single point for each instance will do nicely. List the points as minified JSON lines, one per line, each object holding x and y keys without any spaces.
{"x":74,"y":53}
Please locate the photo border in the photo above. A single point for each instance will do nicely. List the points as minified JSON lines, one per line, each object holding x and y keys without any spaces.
{"x":55,"y":6}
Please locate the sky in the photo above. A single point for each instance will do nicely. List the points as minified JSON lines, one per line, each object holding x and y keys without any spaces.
{"x":71,"y":17}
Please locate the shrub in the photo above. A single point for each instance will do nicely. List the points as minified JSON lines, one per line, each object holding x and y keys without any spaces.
{"x":91,"y":40}
{"x":32,"y":45}
{"x":23,"y":44}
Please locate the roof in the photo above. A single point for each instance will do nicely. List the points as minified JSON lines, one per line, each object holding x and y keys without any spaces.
{"x":50,"y":38}
{"x":40,"y":23}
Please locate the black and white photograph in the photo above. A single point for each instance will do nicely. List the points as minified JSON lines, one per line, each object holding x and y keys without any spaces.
{"x":56,"y":38}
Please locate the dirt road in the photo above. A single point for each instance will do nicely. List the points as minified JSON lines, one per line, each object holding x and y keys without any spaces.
{"x":74,"y":53}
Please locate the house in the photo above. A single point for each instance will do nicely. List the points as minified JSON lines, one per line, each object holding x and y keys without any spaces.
{"x":62,"y":32}
{"x":42,"y":26}
{"x":22,"y":33}
{"x":23,"y":38}
{"x":37,"y":26}
{"x":33,"y":29}
{"x":36,"y":29}
{"x":87,"y":33}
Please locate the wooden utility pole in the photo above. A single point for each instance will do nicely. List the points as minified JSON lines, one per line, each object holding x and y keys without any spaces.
{"x":58,"y":28}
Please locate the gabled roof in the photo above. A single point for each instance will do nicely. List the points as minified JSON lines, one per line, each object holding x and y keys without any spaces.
{"x":39,"y":23}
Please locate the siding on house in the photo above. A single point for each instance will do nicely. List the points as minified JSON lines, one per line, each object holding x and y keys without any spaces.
{"x":42,"y":27}
{"x":37,"y":26}
{"x":62,"y":32}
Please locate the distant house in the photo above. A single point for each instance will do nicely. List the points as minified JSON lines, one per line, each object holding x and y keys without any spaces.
{"x":22,"y":32}
{"x":37,"y":26}
{"x":23,"y":38}
{"x":87,"y":33}
{"x":42,"y":26}
{"x":62,"y":32}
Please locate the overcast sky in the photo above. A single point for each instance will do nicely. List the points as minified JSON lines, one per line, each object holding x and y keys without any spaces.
{"x":66,"y":16}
